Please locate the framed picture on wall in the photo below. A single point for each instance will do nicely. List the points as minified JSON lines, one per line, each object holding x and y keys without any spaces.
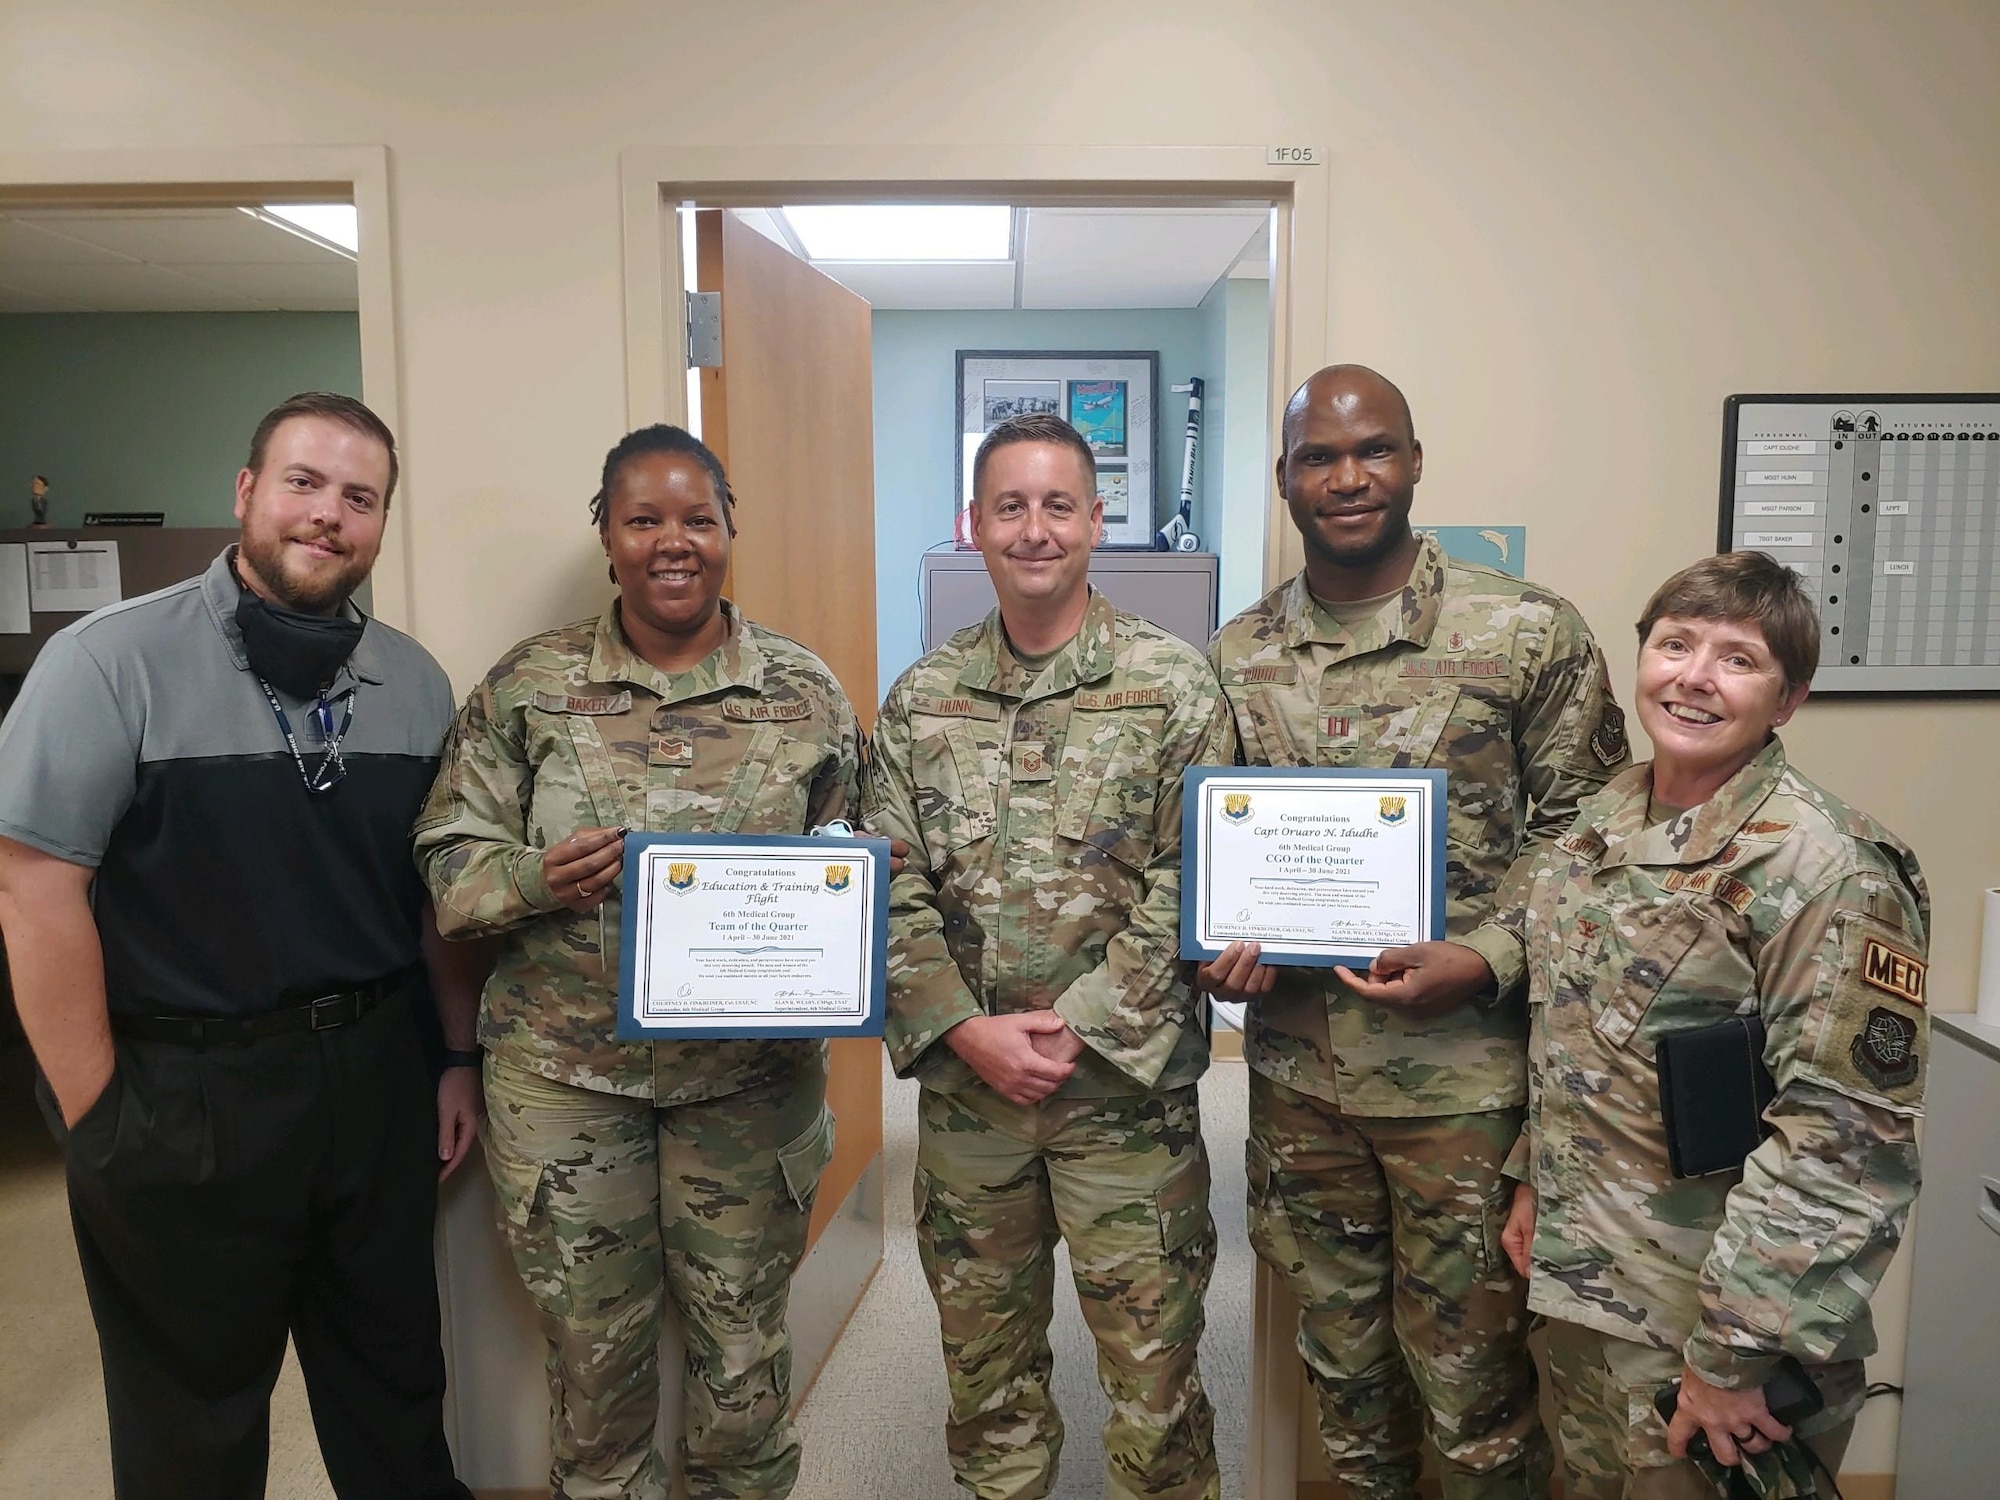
{"x":1109,"y":396}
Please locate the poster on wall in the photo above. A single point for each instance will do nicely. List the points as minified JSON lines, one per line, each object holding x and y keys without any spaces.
{"x":1502,"y":548}
{"x":1109,"y":396}
{"x":1097,"y":410}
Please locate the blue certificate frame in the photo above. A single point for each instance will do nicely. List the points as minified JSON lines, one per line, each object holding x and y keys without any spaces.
{"x":812,"y":910}
{"x":1339,"y":860}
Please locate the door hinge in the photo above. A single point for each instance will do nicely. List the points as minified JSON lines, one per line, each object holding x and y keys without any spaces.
{"x":704,"y":330}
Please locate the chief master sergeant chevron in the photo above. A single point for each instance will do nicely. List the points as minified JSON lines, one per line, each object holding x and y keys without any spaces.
{"x":1034,"y":762}
{"x":1377,"y":1135}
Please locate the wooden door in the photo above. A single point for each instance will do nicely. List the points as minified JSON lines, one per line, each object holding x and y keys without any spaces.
{"x":791,"y":415}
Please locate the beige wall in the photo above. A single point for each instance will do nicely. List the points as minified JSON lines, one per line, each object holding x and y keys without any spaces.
{"x":1569,"y":231}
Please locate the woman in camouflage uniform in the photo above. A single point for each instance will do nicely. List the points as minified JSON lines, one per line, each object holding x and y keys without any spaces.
{"x":630,"y":1173}
{"x":1713,"y":882}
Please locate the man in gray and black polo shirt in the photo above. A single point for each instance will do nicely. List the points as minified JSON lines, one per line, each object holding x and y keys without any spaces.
{"x":218,"y":942}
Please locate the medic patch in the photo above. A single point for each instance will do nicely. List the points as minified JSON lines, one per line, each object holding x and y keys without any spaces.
{"x":1892,"y":972}
{"x":954,"y":708}
{"x":1886,"y":1049}
{"x":1607,"y":741}
{"x":1867,"y":1038}
{"x":760,"y":711}
{"x":572,"y":703}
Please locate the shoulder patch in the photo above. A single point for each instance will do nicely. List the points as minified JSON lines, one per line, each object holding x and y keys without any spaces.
{"x":1893,"y":971}
{"x":766,"y":711}
{"x":1607,"y":741}
{"x":1097,"y":701}
{"x":1455,"y":666}
{"x":954,"y":708}
{"x":1869,"y":1037}
{"x":574,"y":703}
{"x":1283,"y":672}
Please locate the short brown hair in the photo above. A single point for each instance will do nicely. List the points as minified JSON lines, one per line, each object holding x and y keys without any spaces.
{"x":1752,"y":587}
{"x":1036,"y":427}
{"x":335,"y":408}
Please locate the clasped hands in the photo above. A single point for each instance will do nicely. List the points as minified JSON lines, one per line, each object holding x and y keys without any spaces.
{"x":1423,"y":978}
{"x":1024,"y":1056}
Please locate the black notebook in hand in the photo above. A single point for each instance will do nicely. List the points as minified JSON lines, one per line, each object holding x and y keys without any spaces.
{"x":1714,"y":1089}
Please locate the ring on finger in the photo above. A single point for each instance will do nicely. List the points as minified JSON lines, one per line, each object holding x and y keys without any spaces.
{"x":582,"y":891}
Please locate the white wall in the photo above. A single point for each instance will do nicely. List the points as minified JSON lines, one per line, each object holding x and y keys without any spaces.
{"x":1568,"y":232}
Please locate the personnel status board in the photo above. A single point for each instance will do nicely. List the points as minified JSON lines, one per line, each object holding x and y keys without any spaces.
{"x":1889,"y":508}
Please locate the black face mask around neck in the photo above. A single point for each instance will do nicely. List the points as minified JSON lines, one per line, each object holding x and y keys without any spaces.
{"x":299,"y":653}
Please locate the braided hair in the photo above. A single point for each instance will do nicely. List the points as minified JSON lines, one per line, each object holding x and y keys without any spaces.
{"x":660,"y":438}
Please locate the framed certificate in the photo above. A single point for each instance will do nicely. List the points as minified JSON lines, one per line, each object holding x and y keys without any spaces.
{"x":1321,"y":867}
{"x":739,"y":935}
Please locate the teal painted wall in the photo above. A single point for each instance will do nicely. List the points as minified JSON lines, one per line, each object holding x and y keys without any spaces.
{"x":916,"y":429}
{"x":152,"y":411}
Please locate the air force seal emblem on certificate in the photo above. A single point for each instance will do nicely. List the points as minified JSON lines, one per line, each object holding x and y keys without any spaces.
{"x":1395,"y":809}
{"x":839,"y":877}
{"x":1236,"y":806}
{"x":680,"y":876}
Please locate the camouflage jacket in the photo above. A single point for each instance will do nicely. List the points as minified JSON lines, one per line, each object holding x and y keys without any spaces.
{"x":573,"y":729}
{"x":1043,"y":814}
{"x":1772,"y":898}
{"x":1499,"y":684}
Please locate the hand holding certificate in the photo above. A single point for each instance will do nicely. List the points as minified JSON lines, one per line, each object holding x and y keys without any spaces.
{"x":1321,"y":867}
{"x":743,"y":936}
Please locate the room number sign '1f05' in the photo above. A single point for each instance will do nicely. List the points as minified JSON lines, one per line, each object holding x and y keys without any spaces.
{"x":1293,"y":156}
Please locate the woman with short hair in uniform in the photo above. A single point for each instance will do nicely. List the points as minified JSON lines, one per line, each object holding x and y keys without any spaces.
{"x":631,"y":1174}
{"x":1717,"y":910}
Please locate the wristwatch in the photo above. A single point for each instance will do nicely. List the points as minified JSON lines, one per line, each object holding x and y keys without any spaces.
{"x":467,"y":1058}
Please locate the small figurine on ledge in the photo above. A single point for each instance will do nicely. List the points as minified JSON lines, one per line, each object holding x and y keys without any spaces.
{"x":38,"y":499}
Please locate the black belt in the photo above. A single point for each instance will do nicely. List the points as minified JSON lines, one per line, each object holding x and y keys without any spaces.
{"x":322,"y":1013}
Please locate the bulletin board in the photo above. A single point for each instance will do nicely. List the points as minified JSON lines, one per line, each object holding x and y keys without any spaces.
{"x":1889,"y":508}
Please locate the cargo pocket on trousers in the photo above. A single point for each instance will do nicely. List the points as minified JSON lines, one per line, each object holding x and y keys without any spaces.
{"x":522,"y":1188}
{"x":804,"y":1158}
{"x":1183,"y":1206}
{"x":1270,"y":1223}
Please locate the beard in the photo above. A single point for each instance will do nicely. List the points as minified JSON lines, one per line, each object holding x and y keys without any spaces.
{"x":317,"y":591}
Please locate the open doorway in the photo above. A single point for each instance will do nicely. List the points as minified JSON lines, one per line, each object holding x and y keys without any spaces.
{"x":956,"y":314}
{"x":976,"y":310}
{"x":145,"y":325}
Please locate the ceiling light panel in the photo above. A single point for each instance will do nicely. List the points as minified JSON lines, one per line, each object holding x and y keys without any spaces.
{"x":904,"y":231}
{"x":336,"y":223}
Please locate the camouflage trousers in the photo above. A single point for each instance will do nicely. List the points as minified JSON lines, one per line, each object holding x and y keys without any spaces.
{"x":1388,"y":1233}
{"x":1615,"y":1444}
{"x":611,"y":1207}
{"x":1124,"y":1181}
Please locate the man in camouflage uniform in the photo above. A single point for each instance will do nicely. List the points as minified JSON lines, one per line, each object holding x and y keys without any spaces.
{"x":1033,"y":762}
{"x":632,"y":1171}
{"x":1377,"y":1133}
{"x":1772,"y":898}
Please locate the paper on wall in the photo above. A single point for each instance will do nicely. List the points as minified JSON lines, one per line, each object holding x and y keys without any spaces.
{"x":13,"y":589}
{"x":72,"y":577}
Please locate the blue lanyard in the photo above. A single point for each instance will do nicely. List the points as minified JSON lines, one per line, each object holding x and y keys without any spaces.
{"x":331,"y":766}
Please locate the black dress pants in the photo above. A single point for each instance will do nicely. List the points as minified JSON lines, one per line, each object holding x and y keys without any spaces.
{"x":226,"y":1196}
